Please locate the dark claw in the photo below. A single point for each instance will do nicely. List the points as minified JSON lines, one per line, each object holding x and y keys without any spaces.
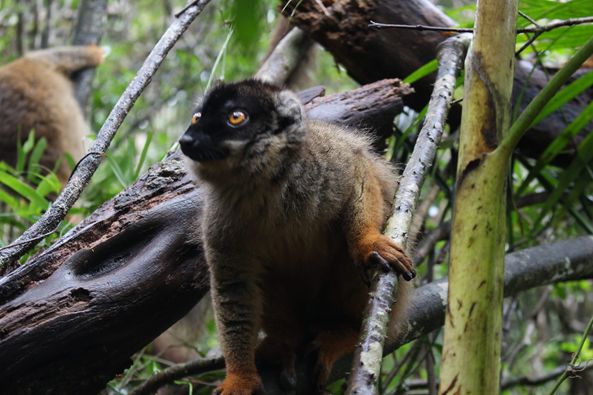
{"x":408,"y":276}
{"x":377,"y":259}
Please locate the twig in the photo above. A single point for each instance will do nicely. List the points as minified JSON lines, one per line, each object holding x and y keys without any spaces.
{"x":412,"y":354}
{"x":574,"y":371}
{"x":377,"y":25}
{"x":530,"y":19}
{"x":430,"y":371}
{"x":528,"y":43}
{"x":39,"y":237}
{"x":441,"y":232}
{"x":532,"y":381}
{"x":573,"y":368}
{"x":555,"y":25}
{"x":366,"y":363}
{"x":524,"y":381}
{"x":531,"y":199}
{"x":536,"y":29}
{"x":81,"y":177}
{"x":191,"y":368}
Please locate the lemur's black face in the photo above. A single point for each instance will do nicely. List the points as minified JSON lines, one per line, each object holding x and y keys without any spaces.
{"x":231,"y":116}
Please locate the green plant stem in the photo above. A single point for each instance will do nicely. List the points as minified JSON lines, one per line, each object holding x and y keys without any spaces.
{"x":575,"y":357}
{"x":528,"y":115}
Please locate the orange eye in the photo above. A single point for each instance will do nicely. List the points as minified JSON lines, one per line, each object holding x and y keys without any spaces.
{"x":195,"y":118}
{"x":237,"y":118}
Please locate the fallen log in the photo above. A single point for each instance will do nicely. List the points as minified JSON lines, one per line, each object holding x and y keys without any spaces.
{"x":71,"y":317}
{"x":341,"y":27}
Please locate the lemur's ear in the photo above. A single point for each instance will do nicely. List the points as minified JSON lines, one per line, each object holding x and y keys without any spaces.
{"x":289,"y":105}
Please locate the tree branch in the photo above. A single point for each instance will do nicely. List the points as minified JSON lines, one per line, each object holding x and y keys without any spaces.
{"x":536,"y":29}
{"x":573,"y":367}
{"x":533,"y":267}
{"x":282,"y":62}
{"x":81,"y":176}
{"x":366,"y":363}
{"x":191,"y":368}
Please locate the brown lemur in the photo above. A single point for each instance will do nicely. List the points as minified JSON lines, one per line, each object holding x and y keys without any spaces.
{"x":36,"y":93}
{"x":294,"y":210}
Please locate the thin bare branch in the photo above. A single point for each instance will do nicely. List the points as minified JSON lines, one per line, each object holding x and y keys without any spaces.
{"x":366,"y":364}
{"x":574,"y":368}
{"x":555,"y":25}
{"x":530,"y":19}
{"x":50,"y":220}
{"x":377,"y":25}
{"x":176,"y":372}
{"x":428,"y":242}
{"x":535,"y":29}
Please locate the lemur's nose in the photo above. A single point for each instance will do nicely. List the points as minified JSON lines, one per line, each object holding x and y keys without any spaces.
{"x":186,"y":141}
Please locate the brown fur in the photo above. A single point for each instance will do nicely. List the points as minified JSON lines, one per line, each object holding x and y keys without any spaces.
{"x":287,"y":224}
{"x":37,"y":94}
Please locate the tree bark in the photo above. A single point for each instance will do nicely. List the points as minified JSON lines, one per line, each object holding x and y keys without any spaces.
{"x":71,"y":317}
{"x":369,"y":55}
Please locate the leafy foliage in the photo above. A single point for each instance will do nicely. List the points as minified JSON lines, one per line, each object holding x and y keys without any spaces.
{"x":228,"y":42}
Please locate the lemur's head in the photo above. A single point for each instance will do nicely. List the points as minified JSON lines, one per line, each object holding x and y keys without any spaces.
{"x":246,"y":125}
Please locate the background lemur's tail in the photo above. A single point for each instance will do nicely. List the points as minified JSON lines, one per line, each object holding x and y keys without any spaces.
{"x":70,"y":59}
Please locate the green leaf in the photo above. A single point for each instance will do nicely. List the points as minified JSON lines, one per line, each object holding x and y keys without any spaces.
{"x":30,"y":142}
{"x":25,"y":190}
{"x":559,"y":143}
{"x":23,"y":150}
{"x":566,"y":94}
{"x":566,"y":37}
{"x":571,"y":173}
{"x":217,"y":61}
{"x":36,"y":157}
{"x":49,"y":184}
{"x":143,"y":154}
{"x":545,"y":11}
{"x":554,"y":9}
{"x":422,"y":72}
{"x":8,"y":199}
{"x":116,"y":170}
{"x":248,"y":21}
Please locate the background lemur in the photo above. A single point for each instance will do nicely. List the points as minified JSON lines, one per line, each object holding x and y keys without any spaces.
{"x":37,"y":94}
{"x":293,"y":208}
